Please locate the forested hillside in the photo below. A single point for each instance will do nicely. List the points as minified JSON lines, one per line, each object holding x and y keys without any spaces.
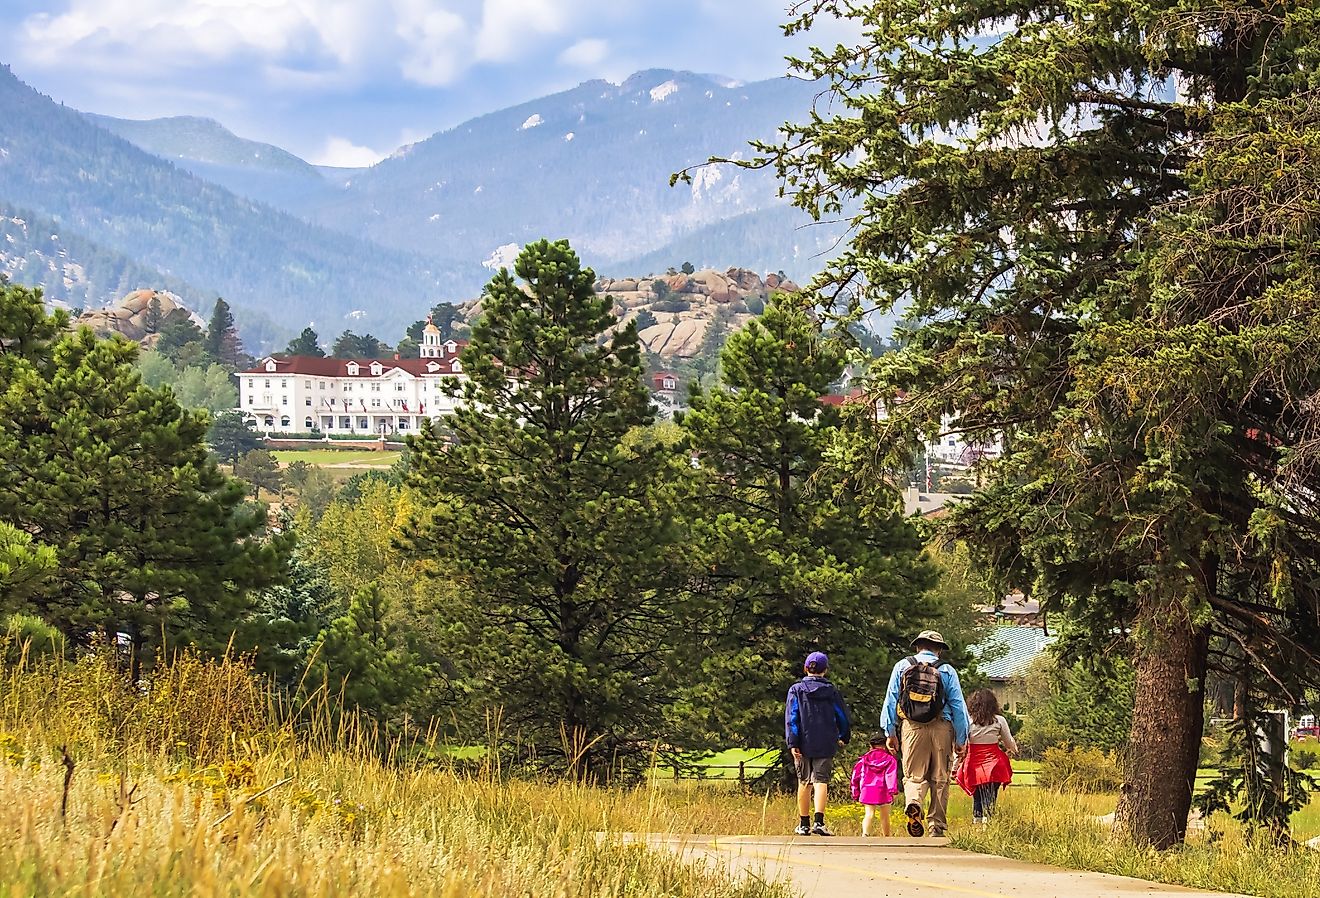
{"x":95,"y":184}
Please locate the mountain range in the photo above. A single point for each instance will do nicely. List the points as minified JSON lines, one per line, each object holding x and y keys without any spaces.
{"x":109,"y":205}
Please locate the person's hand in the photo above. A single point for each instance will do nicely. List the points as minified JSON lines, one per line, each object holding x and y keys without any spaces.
{"x":960,"y":751}
{"x":892,"y":744}
{"x":797,"y":754}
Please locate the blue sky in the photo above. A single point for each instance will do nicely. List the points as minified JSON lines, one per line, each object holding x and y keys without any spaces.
{"x":347,"y":81}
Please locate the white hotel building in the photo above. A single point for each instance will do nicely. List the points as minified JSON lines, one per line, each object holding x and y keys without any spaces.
{"x":370,"y":397}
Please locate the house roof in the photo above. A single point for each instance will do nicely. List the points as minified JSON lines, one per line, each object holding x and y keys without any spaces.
{"x":319,"y":367}
{"x":1010,"y":650}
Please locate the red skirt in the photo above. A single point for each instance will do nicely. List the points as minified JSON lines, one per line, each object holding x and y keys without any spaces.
{"x":983,"y":764}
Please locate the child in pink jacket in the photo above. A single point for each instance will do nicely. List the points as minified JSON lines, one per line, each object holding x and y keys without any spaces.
{"x":875,"y":783}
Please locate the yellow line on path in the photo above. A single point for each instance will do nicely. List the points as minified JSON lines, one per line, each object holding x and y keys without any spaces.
{"x":841,"y":868}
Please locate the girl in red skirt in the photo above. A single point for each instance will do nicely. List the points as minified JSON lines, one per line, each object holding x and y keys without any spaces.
{"x":986,"y":767}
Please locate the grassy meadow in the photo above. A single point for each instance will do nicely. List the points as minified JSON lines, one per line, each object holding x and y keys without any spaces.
{"x":328,"y":457}
{"x":1050,"y":828}
{"x":192,"y":787}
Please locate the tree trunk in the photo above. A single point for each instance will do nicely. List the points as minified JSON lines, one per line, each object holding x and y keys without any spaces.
{"x":1168,"y":718}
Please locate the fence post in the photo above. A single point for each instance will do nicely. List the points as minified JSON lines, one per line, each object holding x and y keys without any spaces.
{"x":742,"y":774}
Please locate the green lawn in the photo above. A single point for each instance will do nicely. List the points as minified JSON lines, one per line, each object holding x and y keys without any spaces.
{"x":324,"y":457}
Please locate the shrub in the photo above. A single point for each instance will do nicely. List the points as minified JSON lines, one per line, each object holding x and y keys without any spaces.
{"x":1304,"y":755}
{"x":1079,"y":770}
{"x":27,"y":638}
{"x":670,"y":304}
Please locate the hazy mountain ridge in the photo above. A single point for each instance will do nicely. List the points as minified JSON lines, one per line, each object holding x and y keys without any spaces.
{"x":591,"y":164}
{"x":97,"y":185}
{"x":371,"y":248}
{"x":70,"y":269}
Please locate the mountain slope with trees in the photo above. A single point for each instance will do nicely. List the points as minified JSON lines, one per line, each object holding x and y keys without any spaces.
{"x":57,"y":163}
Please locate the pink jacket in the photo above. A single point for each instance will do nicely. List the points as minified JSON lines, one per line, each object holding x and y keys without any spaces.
{"x":875,"y":778}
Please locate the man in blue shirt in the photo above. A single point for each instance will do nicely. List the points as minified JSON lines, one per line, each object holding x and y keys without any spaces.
{"x":815,"y":725}
{"x":928,"y":746}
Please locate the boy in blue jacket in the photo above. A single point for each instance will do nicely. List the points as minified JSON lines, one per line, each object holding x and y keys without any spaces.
{"x":815,"y":725}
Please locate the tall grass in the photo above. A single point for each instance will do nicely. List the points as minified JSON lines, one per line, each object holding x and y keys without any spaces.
{"x":1052,"y":828}
{"x":194,"y":784}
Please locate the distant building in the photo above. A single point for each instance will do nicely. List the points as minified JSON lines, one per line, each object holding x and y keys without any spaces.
{"x":305,"y":394}
{"x":666,"y":390}
{"x":1008,"y":652}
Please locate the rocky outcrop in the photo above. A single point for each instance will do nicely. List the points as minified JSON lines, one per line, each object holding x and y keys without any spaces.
{"x":128,"y":317}
{"x":687,"y":305}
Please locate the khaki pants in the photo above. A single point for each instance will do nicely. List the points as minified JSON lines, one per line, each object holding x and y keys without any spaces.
{"x":927,"y":759}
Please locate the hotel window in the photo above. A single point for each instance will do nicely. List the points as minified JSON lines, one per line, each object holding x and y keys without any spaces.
{"x":284,"y":400}
{"x":284,"y":383}
{"x":251,"y":382}
{"x":322,"y":385}
{"x":307,"y":422}
{"x":375,"y":403}
{"x":362,"y":424}
{"x":345,"y":423}
{"x":307,"y":401}
{"x":268,"y":383}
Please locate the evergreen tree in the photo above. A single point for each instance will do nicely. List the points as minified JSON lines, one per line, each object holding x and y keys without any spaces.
{"x":25,"y":566}
{"x":306,"y":343}
{"x":222,"y":343}
{"x":349,"y":345}
{"x":1118,"y":277}
{"x":259,"y":469}
{"x":564,"y":537}
{"x":645,"y":318}
{"x":154,"y":317}
{"x":181,"y":340}
{"x":358,"y":659}
{"x":446,"y":316}
{"x":688,"y":268}
{"x":152,"y":540}
{"x":231,"y":437}
{"x":799,"y":559}
{"x":289,"y":617}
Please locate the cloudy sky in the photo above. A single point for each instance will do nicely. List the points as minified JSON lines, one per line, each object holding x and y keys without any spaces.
{"x":346,"y":81}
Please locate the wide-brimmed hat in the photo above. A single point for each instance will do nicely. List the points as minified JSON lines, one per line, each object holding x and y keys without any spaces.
{"x":931,"y":636}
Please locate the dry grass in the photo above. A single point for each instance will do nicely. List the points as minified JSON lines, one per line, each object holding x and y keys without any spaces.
{"x":190,"y":787}
{"x":1051,"y":828}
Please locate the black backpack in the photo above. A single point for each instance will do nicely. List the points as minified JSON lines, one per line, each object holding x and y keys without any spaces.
{"x":921,"y":692}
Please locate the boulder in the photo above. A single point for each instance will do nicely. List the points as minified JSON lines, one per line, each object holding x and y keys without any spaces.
{"x":679,"y":283}
{"x":626,"y":285}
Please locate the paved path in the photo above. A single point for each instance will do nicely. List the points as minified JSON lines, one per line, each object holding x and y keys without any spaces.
{"x":877,"y":867}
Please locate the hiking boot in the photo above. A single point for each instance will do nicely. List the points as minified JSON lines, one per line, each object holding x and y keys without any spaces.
{"x":820,"y":829}
{"x":915,"y":827}
{"x":802,"y":830}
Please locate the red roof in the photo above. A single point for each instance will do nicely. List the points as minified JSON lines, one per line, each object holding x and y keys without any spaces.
{"x":318,"y":367}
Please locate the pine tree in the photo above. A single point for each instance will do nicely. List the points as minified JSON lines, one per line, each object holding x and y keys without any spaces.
{"x":231,"y":437}
{"x":154,"y":317}
{"x":307,"y":343}
{"x":152,"y":539}
{"x":1099,"y":268}
{"x":25,"y":567}
{"x":222,"y":343}
{"x":359,"y":660}
{"x":799,"y":560}
{"x":565,"y":538}
{"x":259,"y":469}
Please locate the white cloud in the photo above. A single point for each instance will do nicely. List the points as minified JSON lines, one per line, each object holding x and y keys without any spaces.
{"x":586,"y":53}
{"x":430,"y":42}
{"x":343,"y":153}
